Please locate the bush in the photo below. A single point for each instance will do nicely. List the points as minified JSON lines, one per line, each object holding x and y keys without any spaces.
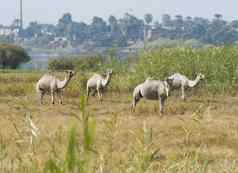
{"x":86,"y":63}
{"x":12,"y":56}
{"x":218,"y":64}
{"x":61,"y":64}
{"x":81,"y":63}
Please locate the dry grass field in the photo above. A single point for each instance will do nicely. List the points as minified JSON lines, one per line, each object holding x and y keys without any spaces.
{"x":196,"y":136}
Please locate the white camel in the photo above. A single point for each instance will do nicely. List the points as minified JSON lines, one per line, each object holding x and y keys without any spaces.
{"x":178,"y":80}
{"x":49,"y":83}
{"x":98,"y":83}
{"x":151,"y":90}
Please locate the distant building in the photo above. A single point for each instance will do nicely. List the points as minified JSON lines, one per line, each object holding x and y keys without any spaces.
{"x":59,"y":42}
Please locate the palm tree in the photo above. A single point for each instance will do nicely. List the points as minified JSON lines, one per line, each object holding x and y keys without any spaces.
{"x":148,"y":18}
{"x":218,"y":16}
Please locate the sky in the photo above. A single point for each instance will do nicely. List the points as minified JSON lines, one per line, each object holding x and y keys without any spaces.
{"x":49,"y":11}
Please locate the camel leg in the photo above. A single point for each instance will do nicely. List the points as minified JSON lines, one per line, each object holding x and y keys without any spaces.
{"x":52,"y":97}
{"x":134,"y":102}
{"x":162,"y":101}
{"x":183,"y":93}
{"x":133,"y":105}
{"x":99,"y":93}
{"x":60,"y":97}
{"x":88,"y":91}
{"x":41,"y":98}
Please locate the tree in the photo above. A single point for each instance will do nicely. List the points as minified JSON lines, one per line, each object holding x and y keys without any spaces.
{"x":79,"y":32}
{"x":66,"y":18}
{"x":148,"y":18}
{"x":98,"y":25}
{"x":157,"y":25}
{"x":200,"y":27}
{"x":132,"y":27}
{"x":129,"y":29}
{"x":188,"y":28}
{"x":166,"y":20}
{"x":98,"y":31}
{"x":218,"y":16}
{"x":116,"y":34}
{"x":65,"y":26}
{"x":217,"y":30}
{"x":112,"y":22}
{"x":61,"y":64}
{"x":12,"y":56}
{"x":234,"y":24}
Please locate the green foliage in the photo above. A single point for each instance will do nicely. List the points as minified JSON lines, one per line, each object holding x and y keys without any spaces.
{"x":52,"y":167}
{"x":148,"y":18}
{"x":61,"y":64}
{"x":12,"y":56}
{"x":82,"y":63}
{"x":144,"y":154}
{"x":71,"y":150}
{"x":77,"y":158}
{"x":219,"y":65}
{"x":88,"y":63}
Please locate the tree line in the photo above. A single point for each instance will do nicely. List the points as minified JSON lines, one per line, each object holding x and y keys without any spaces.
{"x":129,"y":29}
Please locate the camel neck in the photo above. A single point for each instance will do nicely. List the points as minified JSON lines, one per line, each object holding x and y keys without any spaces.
{"x":193,"y":83}
{"x":64,"y":83}
{"x":106,"y":80}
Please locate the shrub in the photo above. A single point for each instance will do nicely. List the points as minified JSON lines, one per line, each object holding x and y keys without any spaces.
{"x":81,"y":63}
{"x":218,"y":64}
{"x":85,"y":63}
{"x":12,"y":56}
{"x":61,"y":64}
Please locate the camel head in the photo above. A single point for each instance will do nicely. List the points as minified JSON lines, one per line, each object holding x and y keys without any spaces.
{"x":200,"y":76}
{"x":109,"y":71}
{"x":71,"y":73}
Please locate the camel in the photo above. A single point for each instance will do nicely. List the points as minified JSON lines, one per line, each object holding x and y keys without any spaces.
{"x":151,"y":90}
{"x":98,"y":83}
{"x":49,"y":83}
{"x":178,"y":80}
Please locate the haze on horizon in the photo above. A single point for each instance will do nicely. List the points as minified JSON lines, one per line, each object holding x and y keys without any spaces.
{"x":46,"y":11}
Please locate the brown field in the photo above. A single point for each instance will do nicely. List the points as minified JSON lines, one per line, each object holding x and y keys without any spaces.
{"x":198,"y":135}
